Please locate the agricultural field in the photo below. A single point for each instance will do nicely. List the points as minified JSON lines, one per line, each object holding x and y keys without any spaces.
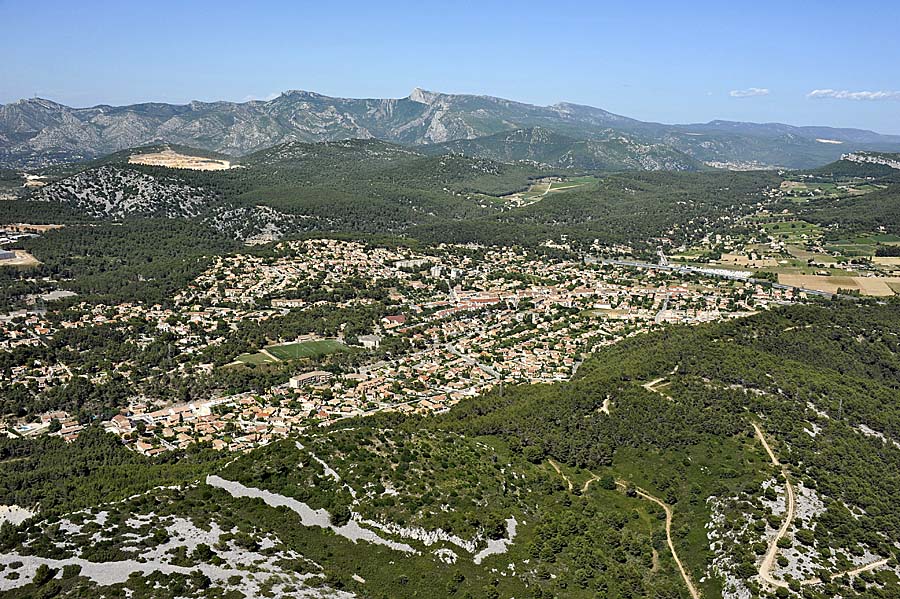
{"x":803,"y":191}
{"x":540,"y":189}
{"x":871,"y":286}
{"x":861,"y":245}
{"x":793,"y":231}
{"x":572,"y":183}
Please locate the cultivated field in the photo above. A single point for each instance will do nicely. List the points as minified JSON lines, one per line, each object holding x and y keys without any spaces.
{"x":171,"y":159}
{"x":874,"y":286}
{"x":886,"y":260}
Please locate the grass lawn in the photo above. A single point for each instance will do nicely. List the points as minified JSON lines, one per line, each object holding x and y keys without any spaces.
{"x":793,"y":231}
{"x":307,"y":349}
{"x":257,"y":358}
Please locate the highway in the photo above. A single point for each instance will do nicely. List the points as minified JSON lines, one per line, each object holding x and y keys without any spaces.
{"x":712,"y":272}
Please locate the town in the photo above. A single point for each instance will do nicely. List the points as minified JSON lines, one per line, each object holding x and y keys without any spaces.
{"x":456,"y":321}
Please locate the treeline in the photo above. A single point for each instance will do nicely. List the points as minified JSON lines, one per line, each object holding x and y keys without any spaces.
{"x":832,"y":365}
{"x":139,"y":260}
{"x":92,"y":470}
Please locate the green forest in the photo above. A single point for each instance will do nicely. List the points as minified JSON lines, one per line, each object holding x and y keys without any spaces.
{"x":832,"y":367}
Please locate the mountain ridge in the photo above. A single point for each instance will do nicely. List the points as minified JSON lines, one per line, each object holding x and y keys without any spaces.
{"x":38,"y":132}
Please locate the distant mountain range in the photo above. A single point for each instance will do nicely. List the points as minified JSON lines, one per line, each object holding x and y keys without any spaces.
{"x":40,"y":132}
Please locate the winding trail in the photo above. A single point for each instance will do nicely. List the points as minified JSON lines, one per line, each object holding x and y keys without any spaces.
{"x":768,"y":562}
{"x":560,"y":472}
{"x":765,"y":568}
{"x":695,"y":594}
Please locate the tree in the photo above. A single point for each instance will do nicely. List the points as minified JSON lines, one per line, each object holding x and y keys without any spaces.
{"x":43,"y":574}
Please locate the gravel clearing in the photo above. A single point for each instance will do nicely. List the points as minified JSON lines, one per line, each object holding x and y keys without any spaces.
{"x":308,"y":516}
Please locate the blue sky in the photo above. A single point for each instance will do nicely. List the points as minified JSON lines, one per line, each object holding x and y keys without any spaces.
{"x":661,"y":61}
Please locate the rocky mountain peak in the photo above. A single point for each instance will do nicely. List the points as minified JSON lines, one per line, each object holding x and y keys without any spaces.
{"x":423,"y":96}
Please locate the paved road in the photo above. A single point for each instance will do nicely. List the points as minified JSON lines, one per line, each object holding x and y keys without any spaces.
{"x":715,"y":273}
{"x":487,"y":369}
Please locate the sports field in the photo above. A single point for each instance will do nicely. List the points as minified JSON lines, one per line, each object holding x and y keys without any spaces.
{"x":306,"y":349}
{"x":292,"y":351}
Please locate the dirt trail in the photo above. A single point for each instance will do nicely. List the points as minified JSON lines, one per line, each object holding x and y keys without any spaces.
{"x":853,"y":572}
{"x":695,"y":594}
{"x":588,"y":482}
{"x":564,"y":187}
{"x":765,"y":444}
{"x":765,"y":568}
{"x":560,"y":472}
{"x":605,"y":407}
{"x":768,"y":562}
{"x":687,"y":579}
{"x":652,"y":387}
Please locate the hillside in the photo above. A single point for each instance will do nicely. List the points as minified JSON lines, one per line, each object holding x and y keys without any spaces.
{"x":371,"y":186}
{"x":40,"y":132}
{"x":858,"y":212}
{"x":727,"y":460}
{"x":607,"y":151}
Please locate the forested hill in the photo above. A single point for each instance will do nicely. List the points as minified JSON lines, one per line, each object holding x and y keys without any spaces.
{"x":821,"y":382}
{"x":608,"y":151}
{"x":879,"y":210}
{"x":720,"y":426}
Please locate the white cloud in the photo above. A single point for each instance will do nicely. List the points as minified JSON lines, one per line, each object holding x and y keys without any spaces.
{"x":848,"y":95}
{"x":750,"y":92}
{"x":271,"y":96}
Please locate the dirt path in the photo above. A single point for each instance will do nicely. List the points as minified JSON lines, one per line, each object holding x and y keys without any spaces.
{"x":560,"y":472}
{"x":605,"y":407}
{"x":651,"y":387}
{"x":853,"y":572}
{"x":588,"y":482}
{"x":687,"y":579}
{"x":768,"y":562}
{"x":695,"y":594}
{"x":765,"y":568}
{"x":564,"y":187}
{"x":765,"y":444}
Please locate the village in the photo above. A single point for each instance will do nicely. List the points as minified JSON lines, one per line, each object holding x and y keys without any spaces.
{"x":469,"y":320}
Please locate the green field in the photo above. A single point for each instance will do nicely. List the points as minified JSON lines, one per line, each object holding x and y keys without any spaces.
{"x":307,"y":349}
{"x":293,"y":351}
{"x":568,"y":183}
{"x":256,"y":358}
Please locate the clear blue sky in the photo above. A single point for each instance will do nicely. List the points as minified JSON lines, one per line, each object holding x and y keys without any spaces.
{"x":657,"y":60}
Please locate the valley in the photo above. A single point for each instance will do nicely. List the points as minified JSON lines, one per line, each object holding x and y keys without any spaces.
{"x":354,"y":368}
